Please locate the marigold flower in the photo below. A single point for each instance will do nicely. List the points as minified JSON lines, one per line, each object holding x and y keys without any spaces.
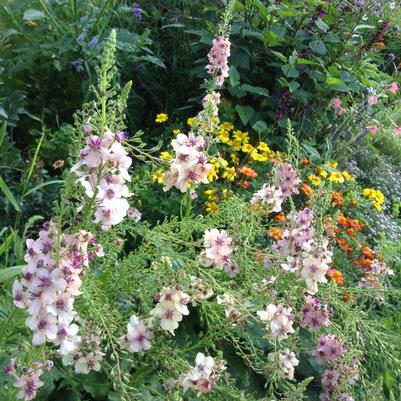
{"x":321,"y":171}
{"x":247,"y":148}
{"x":229,"y":174}
{"x":234,"y":159}
{"x":337,"y":276}
{"x":176,"y":132}
{"x":227,"y":126}
{"x":212,"y":207}
{"x":248,"y":172}
{"x":276,"y":233}
{"x":306,"y":162}
{"x":279,"y":217}
{"x":307,"y":190}
{"x":351,"y":232}
{"x":161,"y":118}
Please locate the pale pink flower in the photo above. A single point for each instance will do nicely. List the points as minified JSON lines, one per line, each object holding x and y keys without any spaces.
{"x":372,"y":100}
{"x":374,"y":129}
{"x":393,"y":87}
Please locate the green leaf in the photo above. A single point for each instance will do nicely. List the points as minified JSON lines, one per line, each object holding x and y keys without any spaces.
{"x":255,"y":89}
{"x":318,"y":46}
{"x":3,"y":132}
{"x":10,"y":272}
{"x":32,"y":14}
{"x":245,"y":113}
{"x":322,"y":25}
{"x":173,"y":26}
{"x":293,"y":86}
{"x":304,"y":61}
{"x":6,"y":191}
{"x":43,"y":184}
{"x":234,"y":76}
{"x":260,"y":126}
{"x":311,"y":151}
{"x":279,"y":56}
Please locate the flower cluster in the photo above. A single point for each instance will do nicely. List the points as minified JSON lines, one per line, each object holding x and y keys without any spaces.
{"x":28,"y":382}
{"x":171,"y":306}
{"x":138,"y":337}
{"x":286,"y":361}
{"x":287,"y":179}
{"x":314,"y":314}
{"x":299,"y":231}
{"x":198,"y":291}
{"x":329,"y":349}
{"x":204,"y":375}
{"x":190,"y":164}
{"x":218,"y":249}
{"x":103,"y":172}
{"x":375,"y":196}
{"x":87,"y":352}
{"x":336,"y":105}
{"x":51,"y":280}
{"x":280,"y":319}
{"x":316,"y":260}
{"x":218,"y":59}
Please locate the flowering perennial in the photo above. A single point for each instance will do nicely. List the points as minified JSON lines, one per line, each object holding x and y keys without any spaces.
{"x":103,"y":172}
{"x":171,"y":306}
{"x":280,"y":319}
{"x":190,"y":164}
{"x":218,"y":249}
{"x":218,"y":59}
{"x":51,"y":280}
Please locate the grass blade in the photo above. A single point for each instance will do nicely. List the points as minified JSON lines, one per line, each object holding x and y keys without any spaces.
{"x":6,"y":191}
{"x":43,"y":184}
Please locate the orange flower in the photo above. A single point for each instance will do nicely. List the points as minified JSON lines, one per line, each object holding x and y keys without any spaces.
{"x":248,"y":172}
{"x":351,"y":232}
{"x":355,"y":224}
{"x":307,"y":190}
{"x":379,"y":44}
{"x":354,"y":202}
{"x":337,"y":276}
{"x":337,"y":200}
{"x":243,"y":184}
{"x":276,"y":233}
{"x":367,"y":252}
{"x":342,"y":221}
{"x":279,"y":217}
{"x":348,"y":297}
{"x":306,"y":162}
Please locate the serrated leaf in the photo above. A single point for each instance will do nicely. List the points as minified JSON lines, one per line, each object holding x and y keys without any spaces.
{"x":318,"y":46}
{"x":311,"y":151}
{"x":322,"y":25}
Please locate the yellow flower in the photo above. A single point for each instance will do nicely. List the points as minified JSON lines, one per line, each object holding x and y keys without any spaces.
{"x":347,"y":176}
{"x":241,"y":136}
{"x":229,"y":174}
{"x":212,"y":174}
{"x":258,"y":156}
{"x":322,"y":172}
{"x":376,"y":196}
{"x":212,"y":195}
{"x":190,"y":121}
{"x":165,"y":156}
{"x":332,"y":164}
{"x":212,"y":207}
{"x":176,"y":132}
{"x":263,"y":147}
{"x":336,"y":177}
{"x":234,"y":159}
{"x":161,"y":118}
{"x":224,"y":136}
{"x":236,"y":145}
{"x":31,"y":23}
{"x":227,"y":126}
{"x":247,"y":148}
{"x":315,"y":180}
{"x":158,"y":177}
